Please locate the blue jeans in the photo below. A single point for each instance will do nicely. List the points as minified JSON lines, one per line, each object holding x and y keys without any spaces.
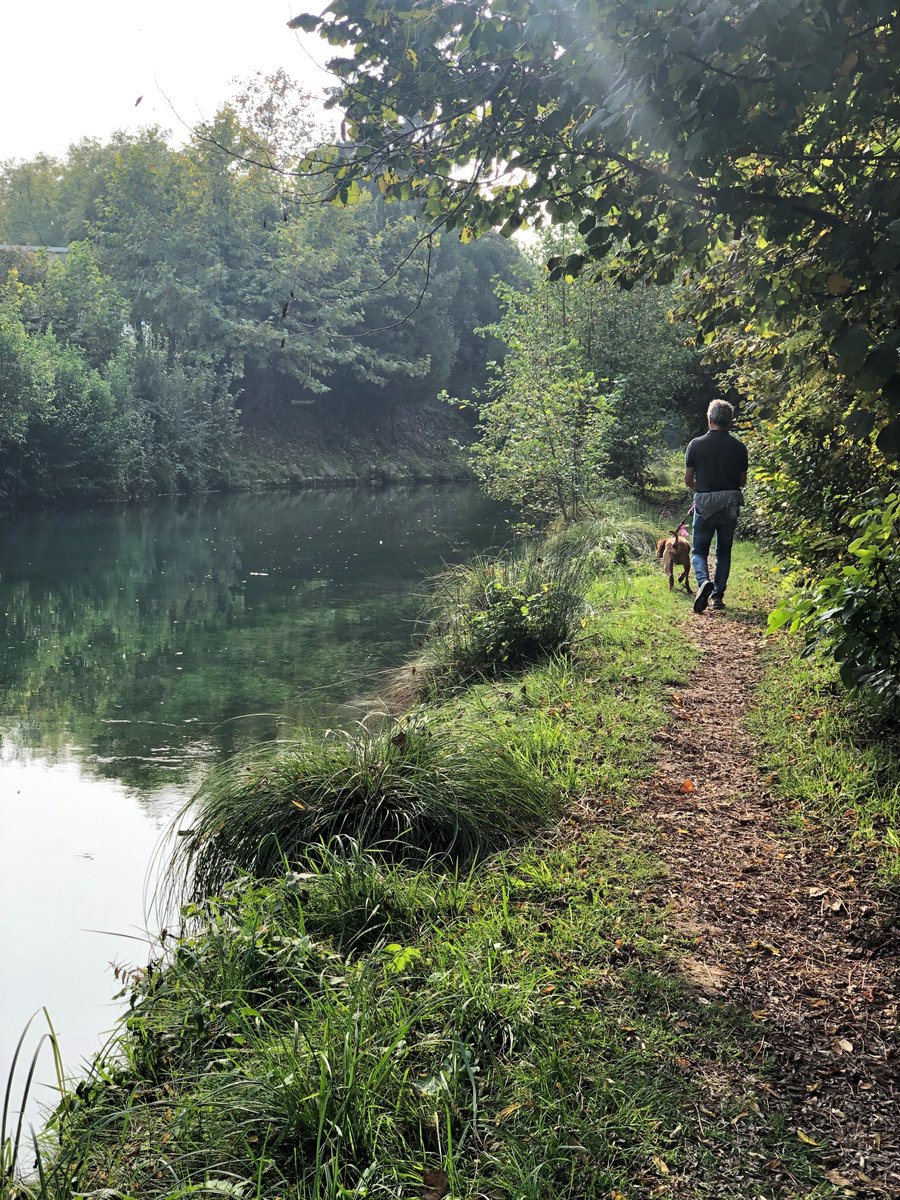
{"x":701,"y":539}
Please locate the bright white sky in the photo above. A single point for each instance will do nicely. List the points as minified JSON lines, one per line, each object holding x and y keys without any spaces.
{"x":73,"y":70}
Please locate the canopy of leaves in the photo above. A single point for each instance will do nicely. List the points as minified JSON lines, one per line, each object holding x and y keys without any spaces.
{"x":667,"y":133}
{"x":749,"y":149}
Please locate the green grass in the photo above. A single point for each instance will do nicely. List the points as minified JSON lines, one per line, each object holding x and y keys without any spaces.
{"x":624,"y":531}
{"x":829,"y":754}
{"x":491,"y":617}
{"x":518,"y":1027}
{"x":418,"y":787}
{"x":521,"y":1028}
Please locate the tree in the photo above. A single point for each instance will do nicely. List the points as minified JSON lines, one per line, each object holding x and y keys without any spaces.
{"x":590,"y":377}
{"x":73,"y":444}
{"x":29,"y":202}
{"x":203,"y":277}
{"x":79,"y":303}
{"x":748,"y":149}
{"x":667,"y":134}
{"x":25,"y":379}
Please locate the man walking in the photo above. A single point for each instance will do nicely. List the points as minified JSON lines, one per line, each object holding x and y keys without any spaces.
{"x":715,"y":471}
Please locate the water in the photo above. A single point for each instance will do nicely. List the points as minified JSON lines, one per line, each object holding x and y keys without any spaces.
{"x":140,"y":645}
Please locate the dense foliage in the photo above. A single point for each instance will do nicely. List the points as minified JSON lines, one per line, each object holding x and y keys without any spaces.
{"x":492,"y":615}
{"x":591,"y":379}
{"x":856,"y":611}
{"x":750,"y":149}
{"x":204,"y":291}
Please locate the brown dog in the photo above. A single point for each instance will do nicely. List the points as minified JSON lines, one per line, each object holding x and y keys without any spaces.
{"x":675,"y":552}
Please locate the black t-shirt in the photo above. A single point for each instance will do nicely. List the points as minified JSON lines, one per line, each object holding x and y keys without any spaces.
{"x":719,"y":460}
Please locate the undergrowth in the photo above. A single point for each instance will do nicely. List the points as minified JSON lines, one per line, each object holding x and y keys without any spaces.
{"x":517,"y":1031}
{"x":830,"y":753}
{"x":417,"y":787}
{"x":491,"y":616}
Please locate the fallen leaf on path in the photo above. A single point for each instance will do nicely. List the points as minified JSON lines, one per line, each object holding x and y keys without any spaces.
{"x":806,"y":1139}
{"x":688,"y":785}
{"x":842,"y":1044}
{"x":661,"y":1167}
{"x":837,"y":1179}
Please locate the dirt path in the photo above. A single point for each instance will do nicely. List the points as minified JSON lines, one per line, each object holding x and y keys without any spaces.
{"x":784,"y":928}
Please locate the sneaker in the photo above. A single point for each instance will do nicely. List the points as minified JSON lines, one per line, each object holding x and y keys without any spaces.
{"x":703,"y":596}
{"x":718,"y":602}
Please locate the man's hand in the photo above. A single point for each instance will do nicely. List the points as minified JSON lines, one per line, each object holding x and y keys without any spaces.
{"x":689,"y":478}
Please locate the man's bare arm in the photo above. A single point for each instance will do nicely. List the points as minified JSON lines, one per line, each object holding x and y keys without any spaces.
{"x":689,"y":478}
{"x":742,"y":482}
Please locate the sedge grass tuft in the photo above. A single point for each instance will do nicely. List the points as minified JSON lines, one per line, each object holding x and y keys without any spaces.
{"x":412,"y":789}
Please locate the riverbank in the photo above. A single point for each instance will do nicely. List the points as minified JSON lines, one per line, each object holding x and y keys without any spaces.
{"x":530,"y":1024}
{"x":302,"y":446}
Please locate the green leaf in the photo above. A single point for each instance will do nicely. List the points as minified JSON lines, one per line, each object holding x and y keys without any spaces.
{"x":860,"y":423}
{"x":308,"y":22}
{"x":850,"y":348}
{"x":888,"y":440}
{"x":881,"y":363}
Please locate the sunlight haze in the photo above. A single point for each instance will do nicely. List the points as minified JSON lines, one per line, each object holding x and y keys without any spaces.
{"x":75,"y":71}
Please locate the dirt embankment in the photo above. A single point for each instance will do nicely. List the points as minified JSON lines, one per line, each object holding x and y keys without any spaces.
{"x":312,"y":445}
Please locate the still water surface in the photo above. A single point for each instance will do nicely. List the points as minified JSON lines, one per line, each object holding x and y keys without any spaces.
{"x":139,"y":645}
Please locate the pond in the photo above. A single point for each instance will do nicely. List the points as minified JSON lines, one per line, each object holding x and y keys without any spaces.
{"x":140,"y":645}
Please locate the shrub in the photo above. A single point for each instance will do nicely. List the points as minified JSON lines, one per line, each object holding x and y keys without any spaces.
{"x":855,"y":612}
{"x":411,"y":790}
{"x":620,"y":534}
{"x":494,"y":615}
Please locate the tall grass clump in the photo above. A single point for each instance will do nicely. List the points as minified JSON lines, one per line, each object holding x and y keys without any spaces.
{"x":490,"y":616}
{"x":413,"y":789}
{"x":13,"y":1137}
{"x":623,"y":532}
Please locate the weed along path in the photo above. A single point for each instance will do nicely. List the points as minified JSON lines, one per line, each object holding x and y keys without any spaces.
{"x":784,"y":926}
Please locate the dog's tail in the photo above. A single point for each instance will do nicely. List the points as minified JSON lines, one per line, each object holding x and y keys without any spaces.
{"x":674,"y":533}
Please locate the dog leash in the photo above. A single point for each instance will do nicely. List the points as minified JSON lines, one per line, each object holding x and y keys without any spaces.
{"x":682,"y":528}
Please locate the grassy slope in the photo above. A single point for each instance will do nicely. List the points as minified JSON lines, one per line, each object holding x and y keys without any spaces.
{"x":518,"y":1031}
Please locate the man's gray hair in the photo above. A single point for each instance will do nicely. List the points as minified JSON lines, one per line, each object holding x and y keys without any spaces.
{"x":720,"y":412}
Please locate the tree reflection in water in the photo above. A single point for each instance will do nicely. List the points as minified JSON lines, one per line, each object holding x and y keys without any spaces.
{"x":150,"y":641}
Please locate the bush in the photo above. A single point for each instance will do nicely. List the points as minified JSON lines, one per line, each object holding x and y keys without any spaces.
{"x":620,"y":534}
{"x":856,"y":612}
{"x":411,"y":790}
{"x":74,"y":446}
{"x":189,"y":425}
{"x":495,"y":615}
